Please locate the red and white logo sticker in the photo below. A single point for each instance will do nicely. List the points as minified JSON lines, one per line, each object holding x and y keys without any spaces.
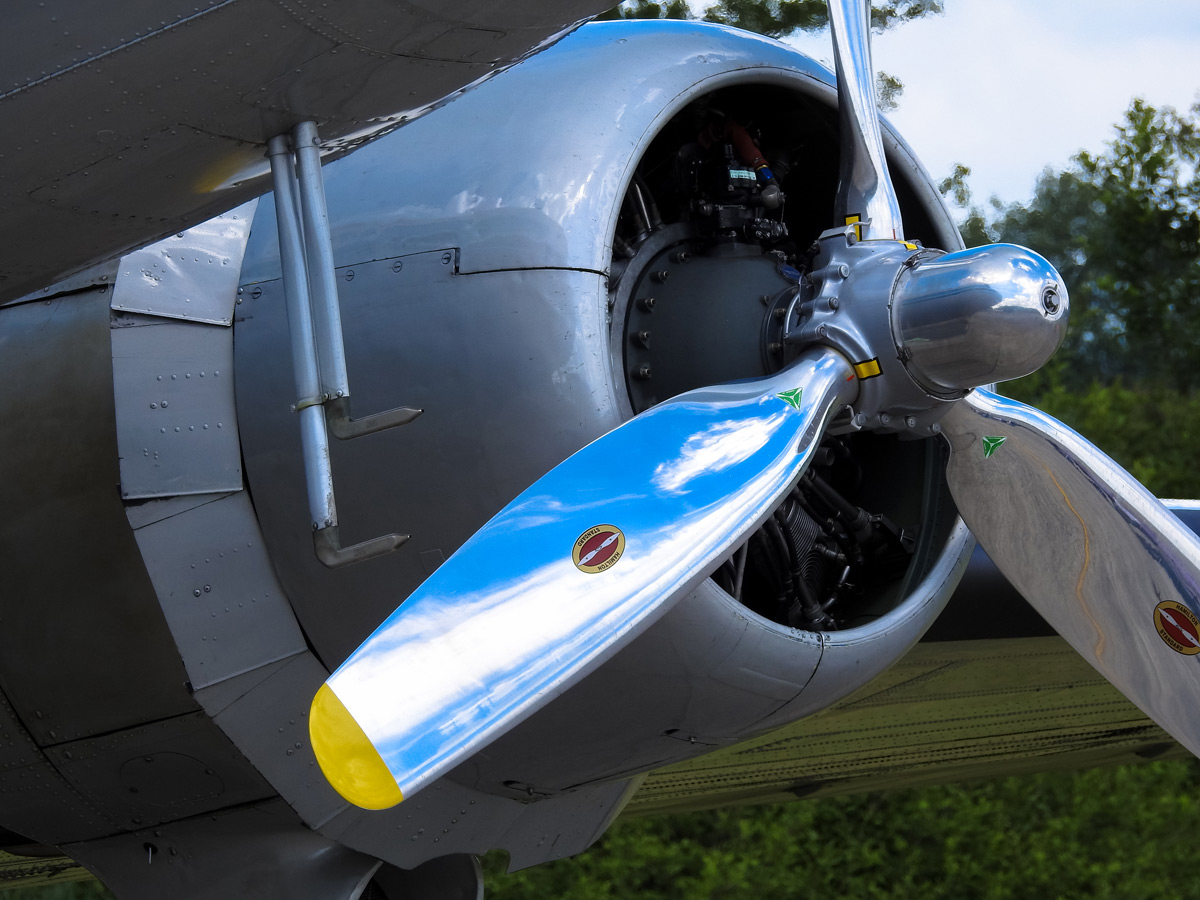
{"x":598,"y":548}
{"x":1178,"y":627}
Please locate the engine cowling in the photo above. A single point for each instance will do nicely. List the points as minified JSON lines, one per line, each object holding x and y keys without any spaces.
{"x":555,"y":250}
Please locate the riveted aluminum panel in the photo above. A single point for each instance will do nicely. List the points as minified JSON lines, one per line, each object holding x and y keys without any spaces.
{"x":147,"y":512}
{"x":176,"y":427}
{"x":192,"y":275}
{"x":443,"y":818}
{"x":161,"y":771}
{"x":261,"y":851}
{"x":34,"y":799}
{"x":269,"y":723}
{"x":216,"y":586}
{"x":84,"y":648}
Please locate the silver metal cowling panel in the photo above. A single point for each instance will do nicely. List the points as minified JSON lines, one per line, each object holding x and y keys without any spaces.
{"x":214,"y":580}
{"x":191,"y":276}
{"x":553,"y":201}
{"x":176,"y":426}
{"x":407,"y":321}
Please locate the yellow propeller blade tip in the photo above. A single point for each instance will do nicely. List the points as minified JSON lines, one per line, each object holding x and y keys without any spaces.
{"x":346,"y":755}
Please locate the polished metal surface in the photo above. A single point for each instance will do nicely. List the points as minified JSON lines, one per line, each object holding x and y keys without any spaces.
{"x":1096,"y":554}
{"x":848,"y":307}
{"x":977,"y":317}
{"x":547,"y":194}
{"x":865,"y":187}
{"x":668,"y":493}
{"x":318,"y":472}
{"x":192,"y":275}
{"x":318,"y":255}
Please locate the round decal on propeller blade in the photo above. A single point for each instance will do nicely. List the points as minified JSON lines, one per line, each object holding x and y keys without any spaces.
{"x":598,"y":548}
{"x":1178,"y":627}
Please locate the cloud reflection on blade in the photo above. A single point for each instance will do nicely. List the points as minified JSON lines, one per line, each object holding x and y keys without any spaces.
{"x":719,"y":447}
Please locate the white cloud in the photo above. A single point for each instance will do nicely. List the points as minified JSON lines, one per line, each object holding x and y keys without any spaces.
{"x":1011,"y":87}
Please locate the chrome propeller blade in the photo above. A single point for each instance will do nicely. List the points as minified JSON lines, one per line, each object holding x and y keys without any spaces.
{"x":865,"y":192}
{"x":1107,"y":565}
{"x":567,"y":573}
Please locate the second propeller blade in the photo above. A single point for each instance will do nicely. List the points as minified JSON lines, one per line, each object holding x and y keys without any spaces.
{"x":1108,"y":566}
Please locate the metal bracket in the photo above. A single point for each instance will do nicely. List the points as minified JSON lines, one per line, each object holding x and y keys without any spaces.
{"x":318,"y":351}
{"x":328,"y":545}
{"x":345,"y":427}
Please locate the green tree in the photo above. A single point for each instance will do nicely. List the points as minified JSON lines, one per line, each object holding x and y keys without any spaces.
{"x":1123,"y":228}
{"x":1052,"y":835}
{"x":775,"y":18}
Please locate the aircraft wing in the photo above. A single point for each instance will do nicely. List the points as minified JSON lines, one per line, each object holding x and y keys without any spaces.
{"x":949,"y":711}
{"x":126,"y":123}
{"x":990,"y":691}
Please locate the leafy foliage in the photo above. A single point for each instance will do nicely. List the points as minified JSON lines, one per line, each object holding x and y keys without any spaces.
{"x":1042,"y":836}
{"x":1123,"y":228}
{"x":774,"y":18}
{"x":779,"y":17}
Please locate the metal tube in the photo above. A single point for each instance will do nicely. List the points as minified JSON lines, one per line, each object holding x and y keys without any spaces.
{"x":315,"y":440}
{"x":326,"y":313}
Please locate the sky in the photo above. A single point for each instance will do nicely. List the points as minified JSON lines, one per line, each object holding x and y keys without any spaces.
{"x":1009,"y":87}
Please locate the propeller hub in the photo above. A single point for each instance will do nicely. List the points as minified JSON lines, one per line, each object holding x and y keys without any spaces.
{"x":966,"y":319}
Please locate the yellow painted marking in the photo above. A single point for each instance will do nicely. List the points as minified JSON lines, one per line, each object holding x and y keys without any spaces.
{"x":868,"y":369}
{"x":851,"y":220}
{"x":909,"y":245}
{"x":1101,"y":638}
{"x":346,"y":755}
{"x":240,"y":164}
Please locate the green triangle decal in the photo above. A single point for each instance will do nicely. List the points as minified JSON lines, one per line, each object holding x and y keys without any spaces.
{"x":991,"y":445}
{"x":792,"y":398}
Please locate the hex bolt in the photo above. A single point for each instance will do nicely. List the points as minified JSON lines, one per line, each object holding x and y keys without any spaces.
{"x":682,"y":257}
{"x":833,"y":303}
{"x":660,"y":276}
{"x":647,"y":304}
{"x":643,"y":338}
{"x":844,"y":270}
{"x":910,"y":421}
{"x":643,"y":372}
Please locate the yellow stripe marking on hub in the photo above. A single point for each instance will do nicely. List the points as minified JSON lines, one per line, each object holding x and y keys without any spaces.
{"x":346,"y":755}
{"x":868,"y":369}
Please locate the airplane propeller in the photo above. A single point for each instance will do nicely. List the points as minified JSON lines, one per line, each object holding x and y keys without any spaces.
{"x":603,"y":544}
